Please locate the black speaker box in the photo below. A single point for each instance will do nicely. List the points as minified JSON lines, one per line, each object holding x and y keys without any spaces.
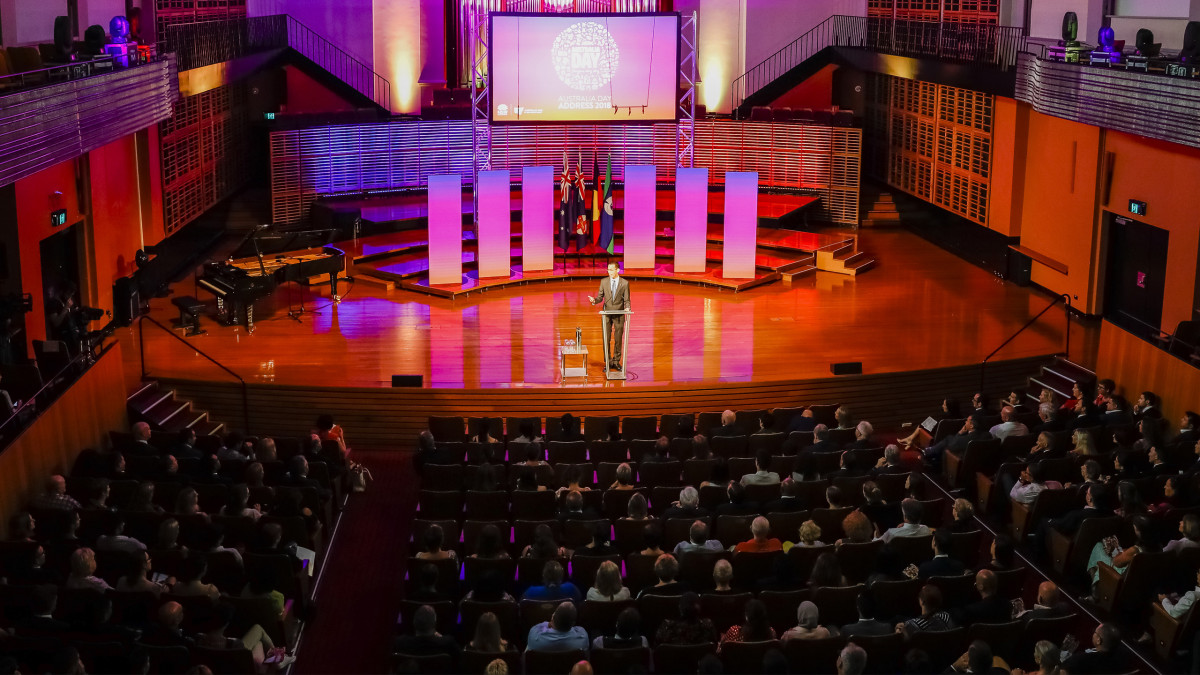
{"x":848,"y":368}
{"x":408,"y":380}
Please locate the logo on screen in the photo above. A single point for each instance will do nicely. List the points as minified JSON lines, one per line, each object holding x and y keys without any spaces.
{"x":585,"y":56}
{"x":502,"y":110}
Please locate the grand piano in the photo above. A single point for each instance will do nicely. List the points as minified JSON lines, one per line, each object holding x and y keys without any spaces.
{"x":239,"y":282}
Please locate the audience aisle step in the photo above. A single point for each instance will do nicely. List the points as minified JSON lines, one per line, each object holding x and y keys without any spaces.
{"x":1058,"y":377}
{"x":163,"y":411}
{"x":843,"y":259}
{"x":798,"y":269}
{"x":880,"y":209}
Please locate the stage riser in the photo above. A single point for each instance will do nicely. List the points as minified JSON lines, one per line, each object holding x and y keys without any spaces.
{"x":386,"y":419}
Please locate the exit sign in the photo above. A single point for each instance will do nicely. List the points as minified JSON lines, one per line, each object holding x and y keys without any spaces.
{"x":1137,"y":208}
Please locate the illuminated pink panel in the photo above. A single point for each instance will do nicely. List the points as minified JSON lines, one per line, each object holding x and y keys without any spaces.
{"x":688,"y":310}
{"x":537,"y":218}
{"x":737,"y":341}
{"x":741,"y":224}
{"x":639,"y":216}
{"x":691,"y":219}
{"x":445,"y":229}
{"x":495,"y":224}
{"x":445,"y":346}
{"x":495,"y":343}
{"x":539,"y":336}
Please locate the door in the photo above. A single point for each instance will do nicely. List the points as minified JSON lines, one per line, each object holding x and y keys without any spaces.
{"x":1136,"y":275}
{"x":60,"y":268}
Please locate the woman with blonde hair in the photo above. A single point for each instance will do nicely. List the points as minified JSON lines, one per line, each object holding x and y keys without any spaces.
{"x":83,"y":571}
{"x":608,"y":587}
{"x":810,"y":534}
{"x":624,"y":477}
{"x":1081,"y":439}
{"x":487,"y":635}
{"x":188,"y":502}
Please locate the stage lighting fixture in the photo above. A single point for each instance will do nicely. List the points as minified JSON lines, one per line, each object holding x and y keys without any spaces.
{"x":1070,"y":30}
{"x":1146,"y":46}
{"x":1191,"y":43}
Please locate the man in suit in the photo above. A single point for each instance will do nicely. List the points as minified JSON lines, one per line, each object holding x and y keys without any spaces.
{"x":788,"y":502}
{"x":141,"y":441}
{"x":1049,"y":604}
{"x":45,"y":599}
{"x":802,"y":422}
{"x":1116,"y":412}
{"x":942,"y":565}
{"x":613,"y":295}
{"x":1105,"y":656}
{"x":688,"y":506}
{"x":990,"y":608}
{"x":1189,"y":427}
{"x":728,"y":426}
{"x":1051,"y":421}
{"x":1097,"y":505}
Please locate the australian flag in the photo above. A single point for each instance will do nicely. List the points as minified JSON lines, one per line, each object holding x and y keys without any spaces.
{"x":566,"y":205}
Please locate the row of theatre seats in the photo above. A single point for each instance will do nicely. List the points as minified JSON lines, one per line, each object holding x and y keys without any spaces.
{"x":174,"y":541}
{"x":466,"y":516}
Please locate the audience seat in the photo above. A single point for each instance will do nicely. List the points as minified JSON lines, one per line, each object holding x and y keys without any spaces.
{"x":707,"y":421}
{"x":611,"y":661}
{"x":231,"y":661}
{"x":566,"y":452}
{"x":447,"y":615}
{"x":174,"y":660}
{"x":583,"y":567}
{"x":448,"y":429}
{"x":658,"y":608}
{"x":696,"y":568}
{"x":551,"y":663}
{"x":600,"y":618}
{"x":616,"y":502}
{"x":749,"y":568}
{"x":956,"y":591}
{"x":426,"y":663}
{"x":628,"y":535}
{"x":732,"y":530}
{"x":781,"y":606}
{"x":472,"y":661}
{"x":912,"y":550}
{"x":492,"y":504}
{"x":1069,"y":555}
{"x":475,"y":568}
{"x":1002,"y":637}
{"x":440,"y":504}
{"x":507,"y":614}
{"x":595,"y":428}
{"x":746,"y":657}
{"x":837,"y":604}
{"x":857,"y":560}
{"x":639,"y":428}
{"x":884,"y":652}
{"x":726,"y":609}
{"x":613,"y":452}
{"x":443,"y":477}
{"x":533,"y":612}
{"x":661,"y":473}
{"x":810,"y":656}
{"x":680,"y":658}
{"x":729,"y":446}
{"x":447,"y":573}
{"x":639,"y":573}
{"x":943,"y":646}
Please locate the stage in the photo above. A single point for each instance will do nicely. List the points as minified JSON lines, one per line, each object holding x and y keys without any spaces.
{"x":922,"y":308}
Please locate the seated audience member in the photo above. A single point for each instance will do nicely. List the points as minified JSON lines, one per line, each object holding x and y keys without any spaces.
{"x":609,"y":587}
{"x":718,"y":473}
{"x":191,"y":570}
{"x":652,"y":539}
{"x":690,"y":628}
{"x":757,"y":626}
{"x":528,"y":433}
{"x":1178,"y":605}
{"x":168,"y":536}
{"x":979,"y":659}
{"x":932,"y":617}
{"x":528,"y":479}
{"x":957,"y":443}
{"x":1116,"y":412}
{"x":1009,"y":426}
{"x":857,"y":528}
{"x":1105,"y":656}
{"x":1082,"y":444}
{"x":688,"y":506}
{"x":30,"y":569}
{"x":327,"y":430}
{"x":83,"y":571}
{"x":239,"y":498}
{"x":637,"y":509}
{"x":1189,"y":430}
{"x":802,"y":422}
{"x":261,"y":584}
{"x":728,"y":426}
{"x":822,"y":443}
{"x":659,"y":452}
{"x":890,"y":463}
{"x":208,"y":472}
{"x":572,"y":477}
{"x":624,"y":478}
{"x":913,"y":511}
{"x":700,"y":447}
{"x":167,"y":631}
{"x":964,"y":516}
{"x":489,"y":588}
{"x":425,"y":639}
{"x":115,"y":539}
{"x":666,"y":568}
{"x":722,"y":577}
{"x":1176,"y":495}
{"x":487,"y":635}
{"x":21,"y":527}
{"x":482,"y":431}
{"x":788,"y":501}
{"x":560,"y":633}
{"x":601,"y":544}
{"x":137,"y":577}
{"x":1046,"y":656}
{"x":428,"y":452}
{"x":951,"y":410}
{"x":809,"y":535}
{"x":427,"y":576}
{"x":942,"y":564}
{"x":737,"y":505}
{"x":1031,"y":483}
{"x":1129,"y":500}
{"x":1110,"y":552}
{"x":808,"y":625}
{"x":489,"y":545}
{"x":98,"y":492}
{"x":867,"y":623}
{"x":434,"y":539}
{"x":697,"y":540}
{"x":852,"y":660}
{"x":1158,"y":465}
{"x":612,"y":431}
{"x":185,"y":445}
{"x":761,"y":541}
{"x":187,"y":503}
{"x":883,"y":515}
{"x":628,"y":632}
{"x":573,"y":509}
{"x":55,"y":496}
{"x":569,"y":425}
{"x":1097,"y":503}
{"x":990,"y":608}
{"x":255,"y":476}
{"x":826,"y":571}
{"x":1151,"y":429}
{"x":235,"y":448}
{"x":141,"y":441}
{"x":42,"y":605}
{"x":1049,"y":604}
{"x":1189,"y":527}
{"x":486,"y":480}
{"x":763,"y":475}
{"x":553,"y":587}
{"x":262,"y":649}
{"x":864,"y":437}
{"x":843,"y":417}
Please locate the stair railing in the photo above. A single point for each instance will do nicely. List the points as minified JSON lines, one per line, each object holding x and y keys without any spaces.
{"x":141,"y":320}
{"x":26,"y":411}
{"x":335,"y":61}
{"x":977,"y":44}
{"x":1064,"y":298}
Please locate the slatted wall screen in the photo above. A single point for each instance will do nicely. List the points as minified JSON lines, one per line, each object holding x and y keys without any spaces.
{"x":319,"y":162}
{"x":171,"y":12}
{"x":932,"y":141}
{"x":985,"y":12}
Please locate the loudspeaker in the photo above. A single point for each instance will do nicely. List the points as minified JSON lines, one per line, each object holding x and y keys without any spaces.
{"x":408,"y":380}
{"x":126,"y":301}
{"x":848,"y":368}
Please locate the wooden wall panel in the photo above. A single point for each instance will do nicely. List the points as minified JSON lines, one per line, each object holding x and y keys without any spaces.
{"x":1138,"y":366}
{"x":80,"y":419}
{"x":390,"y":418}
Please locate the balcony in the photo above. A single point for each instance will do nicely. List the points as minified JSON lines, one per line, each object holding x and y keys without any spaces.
{"x":56,"y":114}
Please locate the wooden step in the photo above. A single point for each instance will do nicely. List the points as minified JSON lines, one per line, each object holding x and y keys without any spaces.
{"x":848,"y":257}
{"x":185,"y":420}
{"x":208,"y":427}
{"x":1054,"y":384}
{"x":141,"y":388}
{"x":788,"y":276}
{"x":162,"y":413}
{"x":1065,"y":365}
{"x":147,"y":399}
{"x":368,"y":277}
{"x":860,"y":264}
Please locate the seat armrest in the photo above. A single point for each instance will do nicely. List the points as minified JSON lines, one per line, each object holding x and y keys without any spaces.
{"x":1059,"y":546}
{"x":1107,"y":586}
{"x":1165,"y":629}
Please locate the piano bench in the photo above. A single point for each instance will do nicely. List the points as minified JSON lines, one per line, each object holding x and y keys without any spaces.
{"x":190,"y":310}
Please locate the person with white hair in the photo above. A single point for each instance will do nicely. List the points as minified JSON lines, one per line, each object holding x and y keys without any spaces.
{"x":728,"y":426}
{"x":761,"y":540}
{"x":688,"y":505}
{"x":852,"y":660}
{"x":697,"y":540}
{"x":864,"y":437}
{"x":1009,"y":426}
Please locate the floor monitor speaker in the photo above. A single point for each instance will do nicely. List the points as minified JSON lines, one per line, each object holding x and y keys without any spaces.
{"x":848,"y":368}
{"x":408,"y":380}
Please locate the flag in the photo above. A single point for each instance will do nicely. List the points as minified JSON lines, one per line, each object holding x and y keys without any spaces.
{"x":581,"y":210}
{"x":596,"y":201}
{"x":606,"y":216}
{"x":564,"y":186}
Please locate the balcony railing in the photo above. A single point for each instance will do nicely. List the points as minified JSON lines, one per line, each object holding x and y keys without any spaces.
{"x":975,"y":44}
{"x":209,"y":42}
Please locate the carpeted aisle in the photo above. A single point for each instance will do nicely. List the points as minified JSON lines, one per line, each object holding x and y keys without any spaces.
{"x":363,"y":581}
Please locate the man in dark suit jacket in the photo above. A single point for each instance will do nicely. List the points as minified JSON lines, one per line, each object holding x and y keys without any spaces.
{"x":613,"y":295}
{"x":804,"y":458}
{"x":942,"y":565}
{"x":867,"y":623}
{"x":802,"y":422}
{"x":166,"y":632}
{"x":788,"y":502}
{"x":298,"y":474}
{"x":1116,"y":412}
{"x":573,"y":509}
{"x":737,"y":504}
{"x":1106,"y":656}
{"x":141,"y":442}
{"x":1049,"y":604}
{"x":1051,"y":421}
{"x":1158,"y":467}
{"x":1188,"y":428}
{"x":688,"y":506}
{"x":425,"y":640}
{"x":1097,"y":505}
{"x":990,"y":608}
{"x":728,"y":426}
{"x":45,"y":599}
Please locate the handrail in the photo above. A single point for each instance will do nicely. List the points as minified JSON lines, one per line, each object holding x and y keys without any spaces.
{"x":168,"y":331}
{"x":74,"y":70}
{"x":31,"y":404}
{"x":978,"y":44}
{"x":1066,"y":348}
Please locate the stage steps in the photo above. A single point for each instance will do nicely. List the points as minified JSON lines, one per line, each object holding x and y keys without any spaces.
{"x":843,"y":258}
{"x":880,"y":209}
{"x":1058,"y":377}
{"x":164,"y":411}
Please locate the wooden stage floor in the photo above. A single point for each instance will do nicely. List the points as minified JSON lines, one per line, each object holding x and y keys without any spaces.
{"x":922,"y":308}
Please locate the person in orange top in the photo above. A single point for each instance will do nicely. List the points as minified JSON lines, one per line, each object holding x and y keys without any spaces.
{"x":762,"y":542}
{"x":328,"y":431}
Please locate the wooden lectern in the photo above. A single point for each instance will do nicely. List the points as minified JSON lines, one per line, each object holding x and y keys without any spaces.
{"x":605,"y":317}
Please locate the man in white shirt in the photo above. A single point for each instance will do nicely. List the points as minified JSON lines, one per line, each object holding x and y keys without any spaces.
{"x":911,"y":527}
{"x":559,"y":634}
{"x":697,"y":540}
{"x":762,"y":462}
{"x":1008,"y":426}
{"x":1180,"y":607}
{"x":1031,"y":484}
